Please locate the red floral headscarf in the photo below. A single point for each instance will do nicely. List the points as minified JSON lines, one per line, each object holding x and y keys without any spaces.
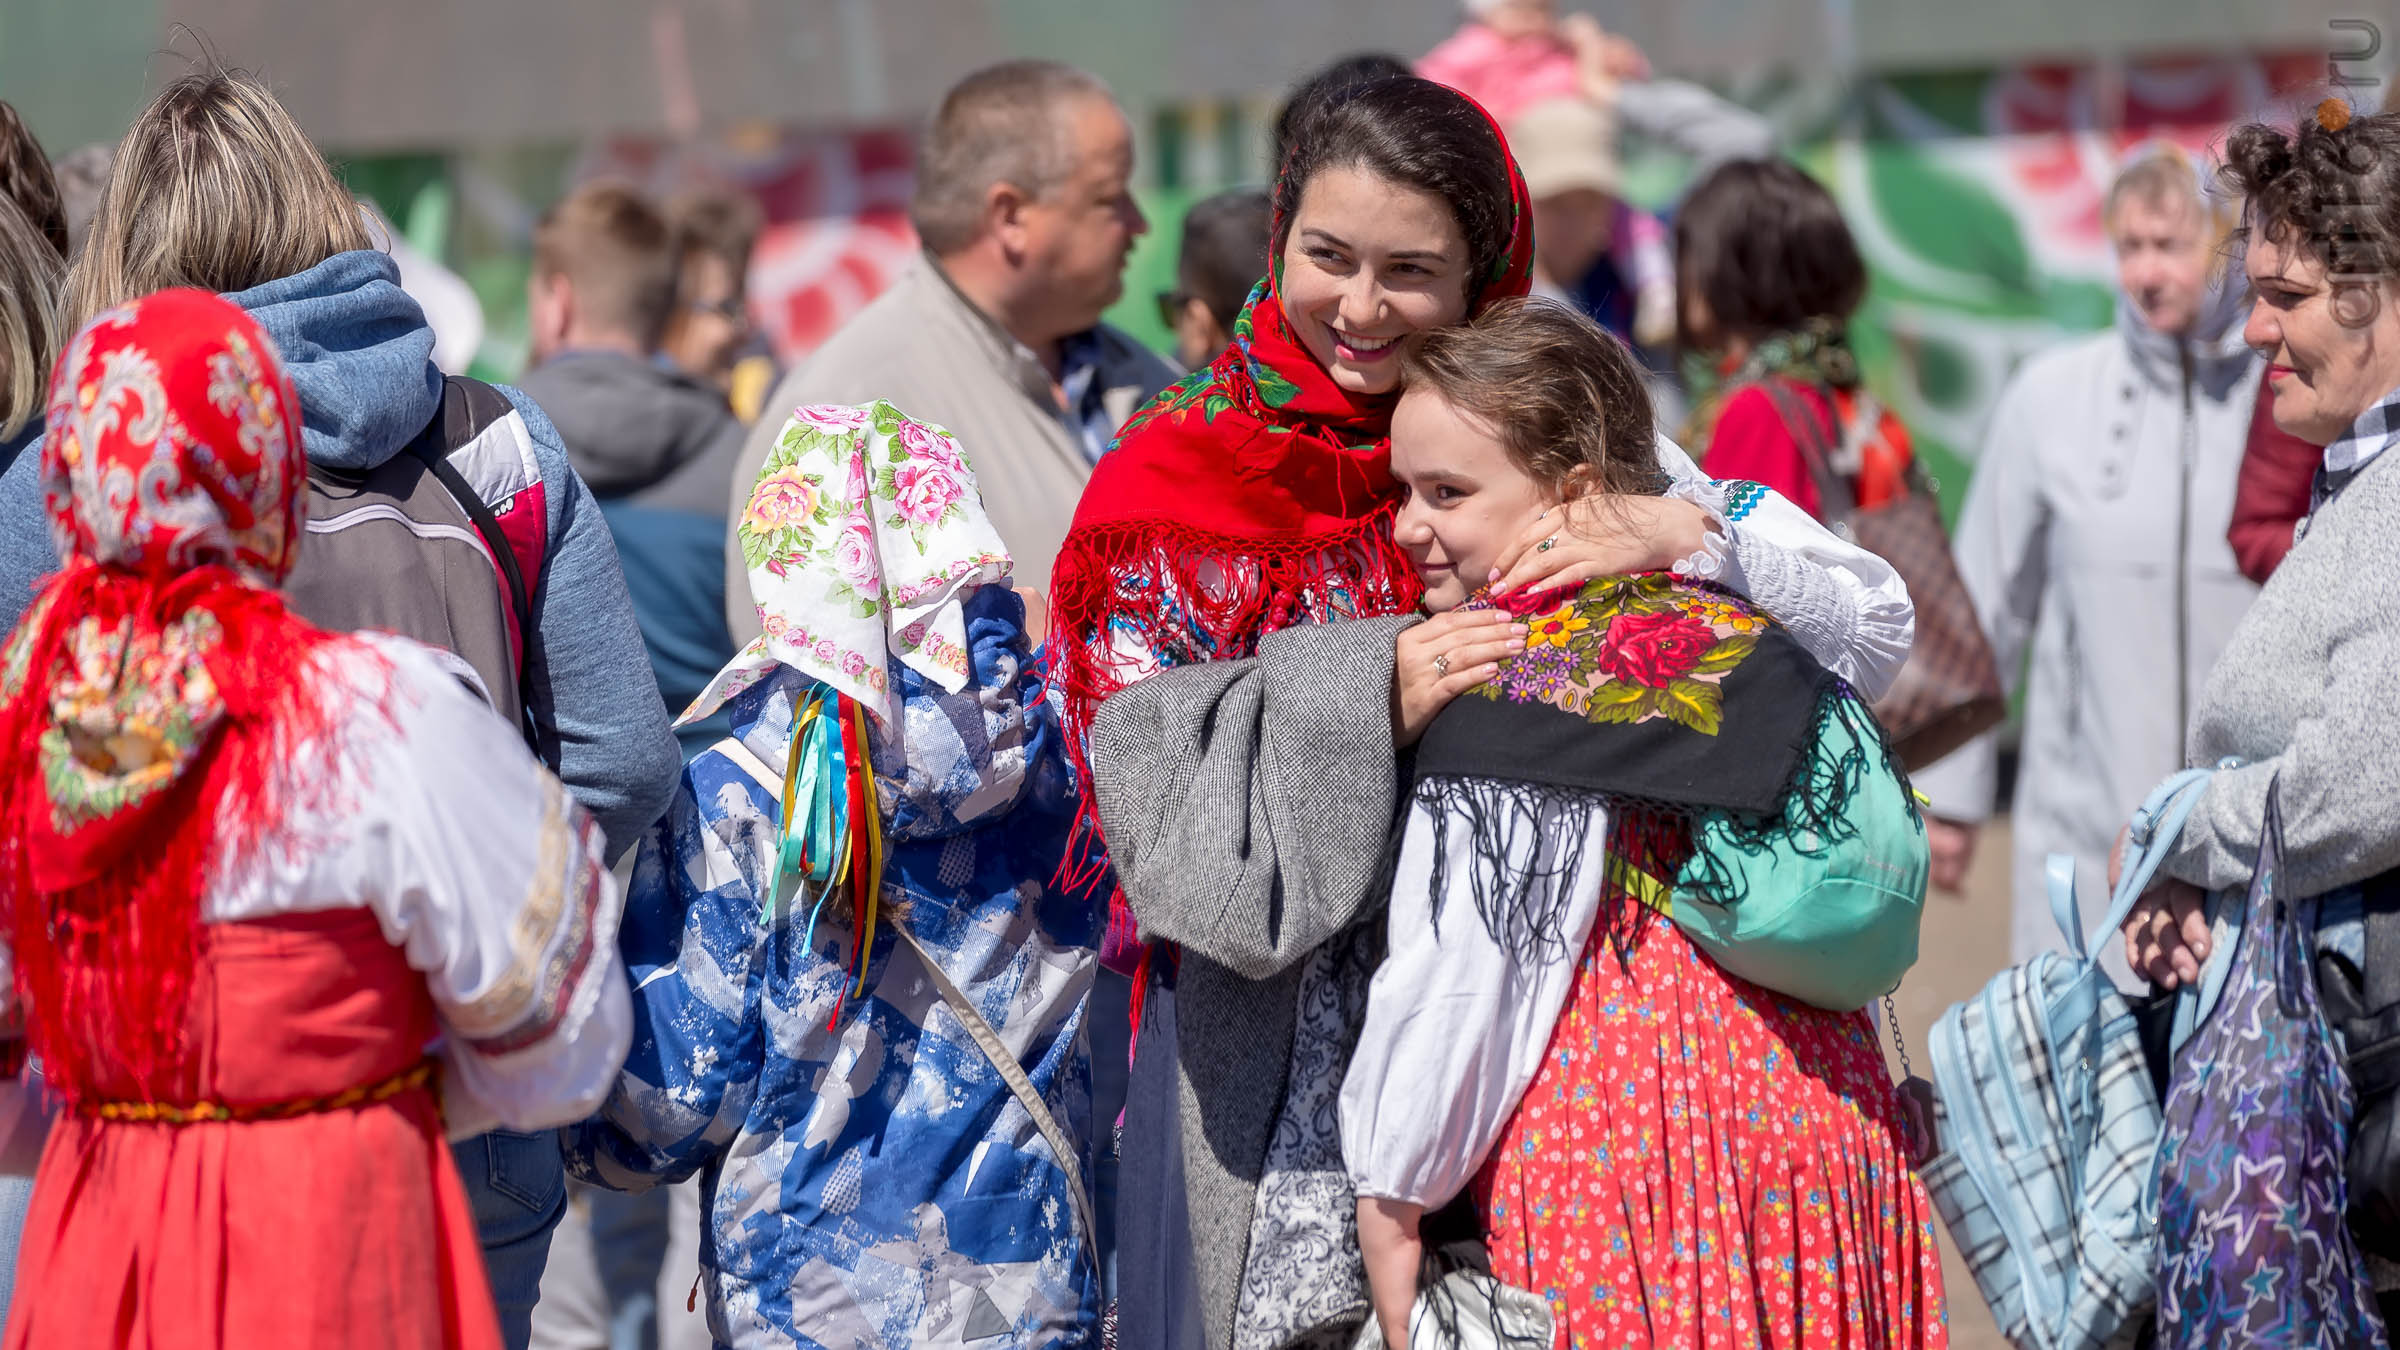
{"x":1257,"y":465}
{"x":157,"y":685}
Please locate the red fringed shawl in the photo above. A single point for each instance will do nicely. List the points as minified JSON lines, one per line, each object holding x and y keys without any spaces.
{"x":157,"y":703}
{"x":1254,"y":495}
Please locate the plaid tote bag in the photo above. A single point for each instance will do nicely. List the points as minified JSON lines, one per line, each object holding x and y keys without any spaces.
{"x":2046,"y":1124}
{"x":2254,"y":1250}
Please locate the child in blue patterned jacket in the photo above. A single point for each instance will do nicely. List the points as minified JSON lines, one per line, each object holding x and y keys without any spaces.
{"x":891,"y":1141}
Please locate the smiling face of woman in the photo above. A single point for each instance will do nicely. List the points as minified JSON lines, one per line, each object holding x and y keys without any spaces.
{"x":1467,"y":496}
{"x":2333,"y":351}
{"x":1369,"y":264}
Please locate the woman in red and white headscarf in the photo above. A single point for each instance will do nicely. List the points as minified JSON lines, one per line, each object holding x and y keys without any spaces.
{"x":280,"y":906}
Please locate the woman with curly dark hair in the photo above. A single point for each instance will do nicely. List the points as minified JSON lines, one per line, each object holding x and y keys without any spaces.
{"x":2302,"y":695}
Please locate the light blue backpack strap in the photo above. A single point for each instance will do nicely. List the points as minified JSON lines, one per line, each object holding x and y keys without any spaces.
{"x":2058,"y":875}
{"x":2196,"y":1000}
{"x":2155,"y":829}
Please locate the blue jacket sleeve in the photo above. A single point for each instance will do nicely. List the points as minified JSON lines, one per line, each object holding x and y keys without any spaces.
{"x":26,"y":553}
{"x":696,"y":951}
{"x":589,"y":673}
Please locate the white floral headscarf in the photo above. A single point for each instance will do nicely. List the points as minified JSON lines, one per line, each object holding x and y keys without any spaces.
{"x":863,"y":536}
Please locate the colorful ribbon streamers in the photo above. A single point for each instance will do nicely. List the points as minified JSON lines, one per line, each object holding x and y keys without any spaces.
{"x":832,"y":820}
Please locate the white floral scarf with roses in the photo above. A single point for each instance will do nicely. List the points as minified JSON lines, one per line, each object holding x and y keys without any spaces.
{"x":863,"y":537}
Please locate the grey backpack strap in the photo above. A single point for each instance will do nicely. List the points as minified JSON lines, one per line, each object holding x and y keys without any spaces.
{"x":452,"y":425}
{"x":432,"y":445}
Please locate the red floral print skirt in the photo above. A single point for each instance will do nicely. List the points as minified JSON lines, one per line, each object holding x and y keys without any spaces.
{"x":1703,"y":1163}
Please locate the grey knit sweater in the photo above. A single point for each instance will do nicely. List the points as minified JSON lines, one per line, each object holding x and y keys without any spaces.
{"x":2305,"y":690}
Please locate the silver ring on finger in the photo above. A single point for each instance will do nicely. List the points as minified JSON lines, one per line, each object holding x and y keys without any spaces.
{"x":1441,"y":665}
{"x":1546,"y":545}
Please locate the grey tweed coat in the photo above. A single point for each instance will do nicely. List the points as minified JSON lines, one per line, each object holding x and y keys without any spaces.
{"x":1246,"y":804}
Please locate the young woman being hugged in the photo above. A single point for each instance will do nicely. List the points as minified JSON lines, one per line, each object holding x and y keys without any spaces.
{"x":1667,"y":1151}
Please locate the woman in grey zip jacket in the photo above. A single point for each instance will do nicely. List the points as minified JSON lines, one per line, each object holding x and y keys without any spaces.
{"x":2094,"y":533}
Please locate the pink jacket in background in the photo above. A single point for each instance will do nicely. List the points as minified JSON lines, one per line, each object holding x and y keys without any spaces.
{"x":1505,"y":75}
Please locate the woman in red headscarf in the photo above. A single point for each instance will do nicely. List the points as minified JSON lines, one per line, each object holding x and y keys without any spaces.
{"x":250,"y":874}
{"x":1240,"y":744}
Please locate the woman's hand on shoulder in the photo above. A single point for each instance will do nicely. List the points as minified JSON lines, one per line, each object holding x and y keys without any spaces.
{"x":1435,"y":661}
{"x":1601,"y":535}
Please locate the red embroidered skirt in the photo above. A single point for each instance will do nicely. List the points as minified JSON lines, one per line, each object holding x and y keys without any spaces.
{"x":339,"y":1227}
{"x":1702,"y":1163}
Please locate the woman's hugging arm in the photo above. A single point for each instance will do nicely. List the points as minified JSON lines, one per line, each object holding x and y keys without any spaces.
{"x":1847,"y":606}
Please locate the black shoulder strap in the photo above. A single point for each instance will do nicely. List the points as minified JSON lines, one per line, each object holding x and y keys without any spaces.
{"x":2382,"y":974}
{"x":451,"y":422}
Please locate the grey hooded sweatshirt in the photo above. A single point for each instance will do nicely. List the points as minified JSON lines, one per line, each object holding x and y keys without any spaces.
{"x":658,"y":449}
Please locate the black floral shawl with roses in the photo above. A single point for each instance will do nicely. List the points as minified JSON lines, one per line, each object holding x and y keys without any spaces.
{"x":1662,"y":699}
